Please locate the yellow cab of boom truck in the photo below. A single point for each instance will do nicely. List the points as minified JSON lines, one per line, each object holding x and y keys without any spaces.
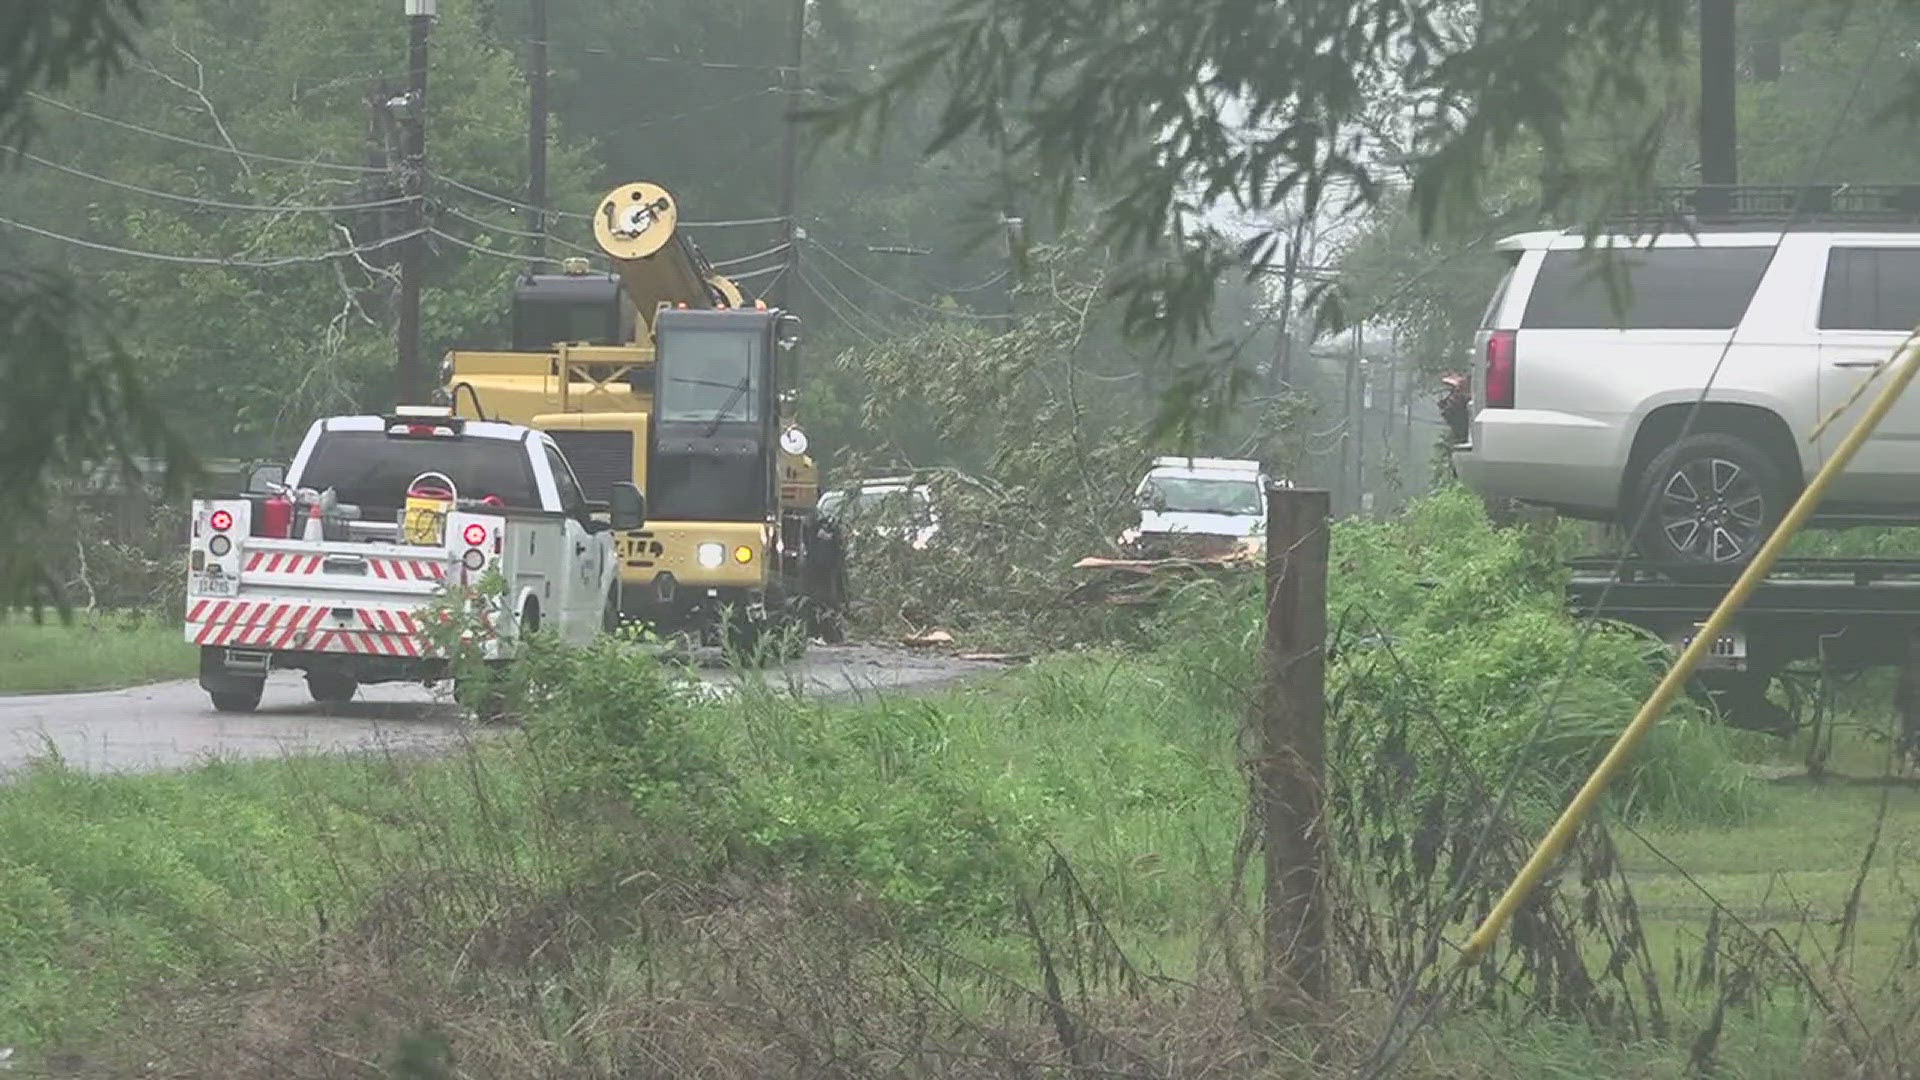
{"x":660,"y":374}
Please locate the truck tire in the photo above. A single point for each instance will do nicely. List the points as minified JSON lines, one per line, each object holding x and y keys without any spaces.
{"x":1708,"y":502}
{"x":331,"y":687}
{"x":610,"y":612}
{"x":241,"y":697}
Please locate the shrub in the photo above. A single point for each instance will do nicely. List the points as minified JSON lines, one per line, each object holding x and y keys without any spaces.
{"x":1440,"y":617}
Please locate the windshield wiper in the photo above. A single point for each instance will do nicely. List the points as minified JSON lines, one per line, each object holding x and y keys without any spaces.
{"x":739,"y":392}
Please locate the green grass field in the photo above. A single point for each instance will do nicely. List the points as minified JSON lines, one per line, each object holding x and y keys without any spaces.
{"x":150,"y":915}
{"x":93,"y":652}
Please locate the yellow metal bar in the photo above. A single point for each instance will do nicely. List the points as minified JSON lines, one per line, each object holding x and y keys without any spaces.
{"x":1583,"y":802}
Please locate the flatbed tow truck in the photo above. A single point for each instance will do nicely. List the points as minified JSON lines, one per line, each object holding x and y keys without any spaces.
{"x":1810,"y":622}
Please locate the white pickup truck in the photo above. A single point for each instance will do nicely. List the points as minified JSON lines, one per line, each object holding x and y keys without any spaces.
{"x":326,"y":573}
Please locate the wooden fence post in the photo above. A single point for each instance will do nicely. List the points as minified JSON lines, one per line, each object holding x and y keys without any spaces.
{"x":1291,"y":774}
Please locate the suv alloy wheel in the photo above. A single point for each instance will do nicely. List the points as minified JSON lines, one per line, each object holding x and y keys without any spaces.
{"x":1706,"y":504}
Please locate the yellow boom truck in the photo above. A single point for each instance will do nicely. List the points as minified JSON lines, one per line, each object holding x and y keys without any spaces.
{"x":662,"y":375}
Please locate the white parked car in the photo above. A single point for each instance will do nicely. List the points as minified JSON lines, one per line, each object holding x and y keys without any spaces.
{"x":1203,"y":505}
{"x":896,"y":508}
{"x":1590,"y":362}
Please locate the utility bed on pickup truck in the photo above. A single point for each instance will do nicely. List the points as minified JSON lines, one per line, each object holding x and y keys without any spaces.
{"x":328,"y":574}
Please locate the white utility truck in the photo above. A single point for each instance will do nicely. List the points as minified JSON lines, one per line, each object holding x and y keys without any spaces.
{"x":328,"y":571}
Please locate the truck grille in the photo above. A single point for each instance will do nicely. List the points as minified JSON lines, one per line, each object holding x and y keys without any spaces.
{"x":600,"y":459}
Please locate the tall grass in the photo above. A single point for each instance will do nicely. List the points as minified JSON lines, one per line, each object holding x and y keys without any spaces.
{"x":1046,"y":873}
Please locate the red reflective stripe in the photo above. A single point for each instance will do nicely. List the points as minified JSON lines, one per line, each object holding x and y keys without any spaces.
{"x":439,"y":571}
{"x":286,"y":636}
{"x":253,"y":560}
{"x":239,"y":612}
{"x":193,"y":613}
{"x":321,"y":644}
{"x":214,"y":615}
{"x":273,"y":564}
{"x":319,"y":613}
{"x":274,"y":619}
{"x":413,"y":626}
{"x":386,"y":622}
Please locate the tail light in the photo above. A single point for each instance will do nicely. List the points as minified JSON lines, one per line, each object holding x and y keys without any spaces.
{"x":476,"y":535}
{"x":1500,"y":364}
{"x":221,"y":520}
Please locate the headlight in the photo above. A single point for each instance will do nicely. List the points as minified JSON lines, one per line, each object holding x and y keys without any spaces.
{"x":710,"y":555}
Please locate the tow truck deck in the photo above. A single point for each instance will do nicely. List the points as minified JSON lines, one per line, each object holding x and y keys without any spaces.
{"x":1842,"y":615}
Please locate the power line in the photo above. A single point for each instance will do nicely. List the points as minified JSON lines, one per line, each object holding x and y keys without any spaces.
{"x":483,"y":249}
{"x":505,"y":200}
{"x":806,"y":279}
{"x":216,"y":148}
{"x":890,"y":291}
{"x":216,"y":204}
{"x":780,"y":273}
{"x":204,"y":260}
{"x":762,"y":272}
{"x":524,"y":234}
{"x":774,"y":250}
{"x":806,"y":275}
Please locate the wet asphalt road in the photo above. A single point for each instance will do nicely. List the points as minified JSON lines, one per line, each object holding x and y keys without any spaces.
{"x":171,"y":724}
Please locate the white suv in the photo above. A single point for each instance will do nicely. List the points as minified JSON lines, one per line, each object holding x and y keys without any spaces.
{"x":1589,"y":362}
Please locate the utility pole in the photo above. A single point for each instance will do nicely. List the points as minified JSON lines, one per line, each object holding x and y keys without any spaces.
{"x":537,"y":124}
{"x":1357,"y":422}
{"x":1290,"y":776}
{"x":783,"y":284}
{"x":1717,"y":125}
{"x":410,"y":380}
{"x":1345,"y":498}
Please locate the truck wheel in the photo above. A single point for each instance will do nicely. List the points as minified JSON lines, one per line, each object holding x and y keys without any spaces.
{"x":610,"y":612}
{"x":238,"y":698}
{"x":489,"y":702}
{"x":740,"y":637}
{"x":1708,"y":501}
{"x":331,"y":687}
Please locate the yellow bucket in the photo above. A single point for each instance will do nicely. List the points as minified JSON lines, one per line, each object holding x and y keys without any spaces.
{"x":425,"y":518}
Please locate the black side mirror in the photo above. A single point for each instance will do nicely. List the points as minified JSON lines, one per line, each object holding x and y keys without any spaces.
{"x":627,"y":506}
{"x":261,"y":479}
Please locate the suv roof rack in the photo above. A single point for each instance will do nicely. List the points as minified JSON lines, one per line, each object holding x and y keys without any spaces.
{"x":1775,"y":206}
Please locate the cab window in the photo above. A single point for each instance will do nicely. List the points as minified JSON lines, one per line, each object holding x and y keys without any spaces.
{"x":572,"y":502}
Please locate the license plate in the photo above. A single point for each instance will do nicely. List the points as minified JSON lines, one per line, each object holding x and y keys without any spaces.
{"x":215,"y":585}
{"x":1731,"y":649}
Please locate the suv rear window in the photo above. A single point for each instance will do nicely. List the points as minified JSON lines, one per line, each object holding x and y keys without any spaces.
{"x":1663,"y":289}
{"x":372,"y":471}
{"x":1871,"y":289}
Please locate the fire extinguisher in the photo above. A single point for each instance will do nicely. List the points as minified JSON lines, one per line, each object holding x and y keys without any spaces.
{"x":276,"y":515}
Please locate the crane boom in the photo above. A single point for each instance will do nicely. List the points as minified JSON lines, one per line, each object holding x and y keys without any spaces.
{"x":637,"y":225}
